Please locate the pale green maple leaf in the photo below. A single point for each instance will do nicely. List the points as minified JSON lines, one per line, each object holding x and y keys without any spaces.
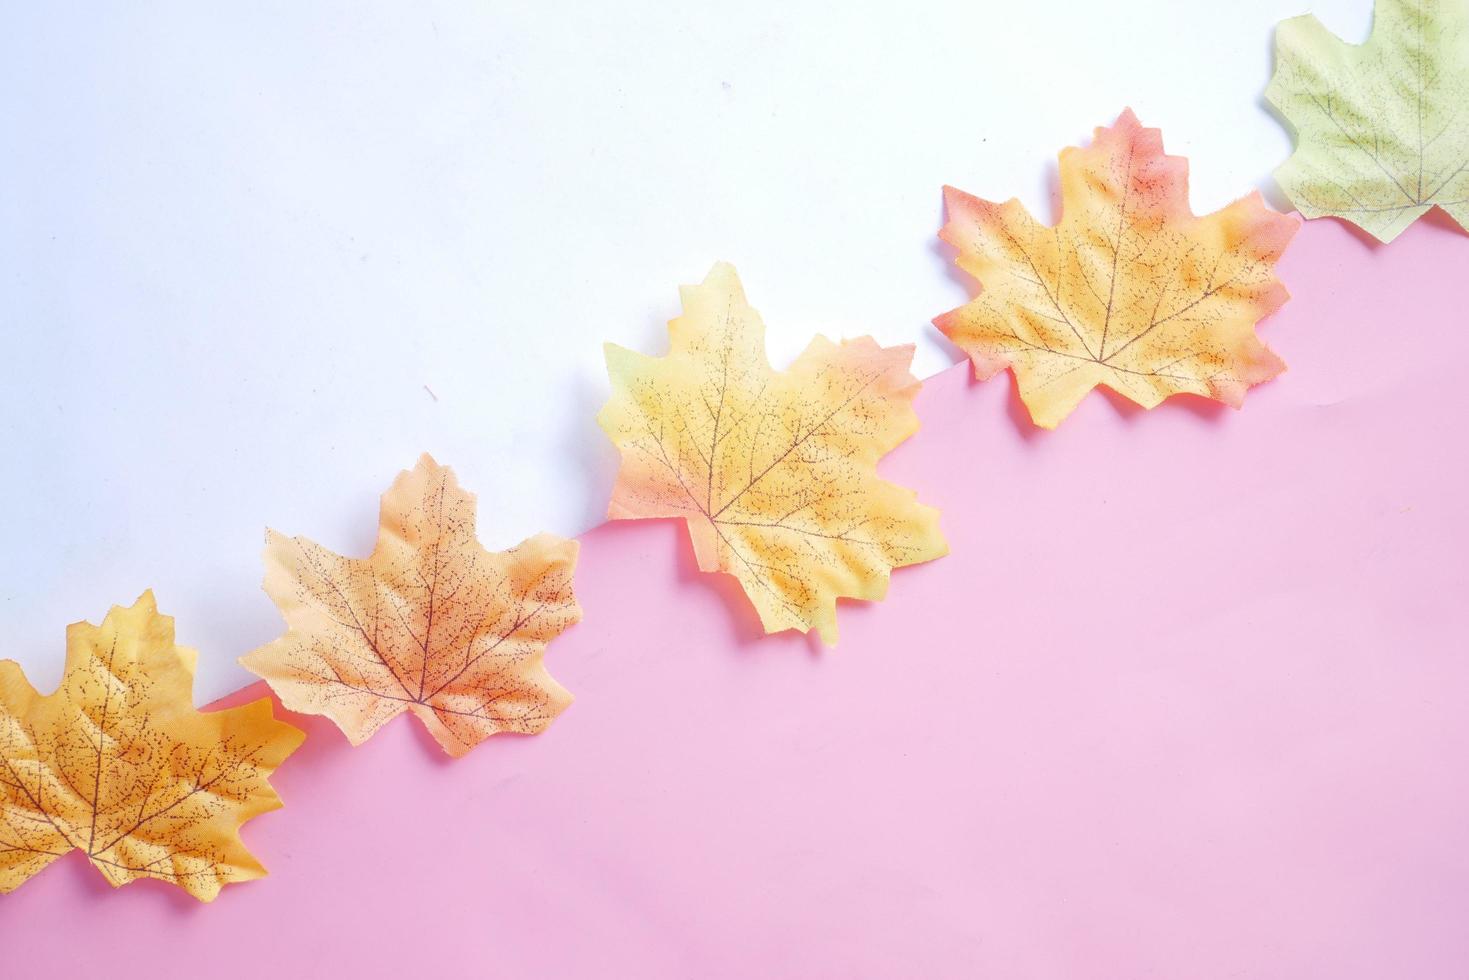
{"x":1382,"y":128}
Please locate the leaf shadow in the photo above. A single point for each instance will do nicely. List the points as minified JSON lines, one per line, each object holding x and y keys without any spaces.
{"x":1435,"y":217}
{"x":1015,"y":409}
{"x":594,"y":455}
{"x":1439,"y":219}
{"x":325,"y":739}
{"x":83,"y":876}
{"x":435,"y":754}
{"x":1364,"y":238}
{"x":948,"y":257}
{"x":736,"y":609}
{"x":1130,"y":412}
{"x":1267,"y":185}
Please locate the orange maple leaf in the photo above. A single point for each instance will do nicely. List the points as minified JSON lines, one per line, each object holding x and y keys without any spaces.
{"x":1129,"y":290}
{"x":774,"y":472}
{"x":116,"y":763}
{"x":431,"y":623}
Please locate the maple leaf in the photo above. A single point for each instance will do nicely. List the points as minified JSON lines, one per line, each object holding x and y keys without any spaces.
{"x":774,"y":472}
{"x":116,"y":763}
{"x":1129,"y":290}
{"x":1381,"y":129}
{"x":431,"y":623}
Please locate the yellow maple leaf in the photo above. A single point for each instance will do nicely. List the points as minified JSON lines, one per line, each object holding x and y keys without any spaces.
{"x":1129,"y":290}
{"x":431,"y":623}
{"x":116,"y":763}
{"x":774,"y":472}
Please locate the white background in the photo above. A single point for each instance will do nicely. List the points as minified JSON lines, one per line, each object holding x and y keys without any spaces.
{"x":255,"y":257}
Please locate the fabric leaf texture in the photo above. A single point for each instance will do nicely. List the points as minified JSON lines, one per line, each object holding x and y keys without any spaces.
{"x":1382,"y":134}
{"x":1129,"y":290}
{"x":432,"y":623}
{"x":774,"y":472}
{"x":117,"y":764}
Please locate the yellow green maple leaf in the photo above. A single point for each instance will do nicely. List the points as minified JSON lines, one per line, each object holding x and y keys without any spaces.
{"x":1382,"y":128}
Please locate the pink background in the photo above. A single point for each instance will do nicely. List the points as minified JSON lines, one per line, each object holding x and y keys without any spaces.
{"x":1188,"y":699}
